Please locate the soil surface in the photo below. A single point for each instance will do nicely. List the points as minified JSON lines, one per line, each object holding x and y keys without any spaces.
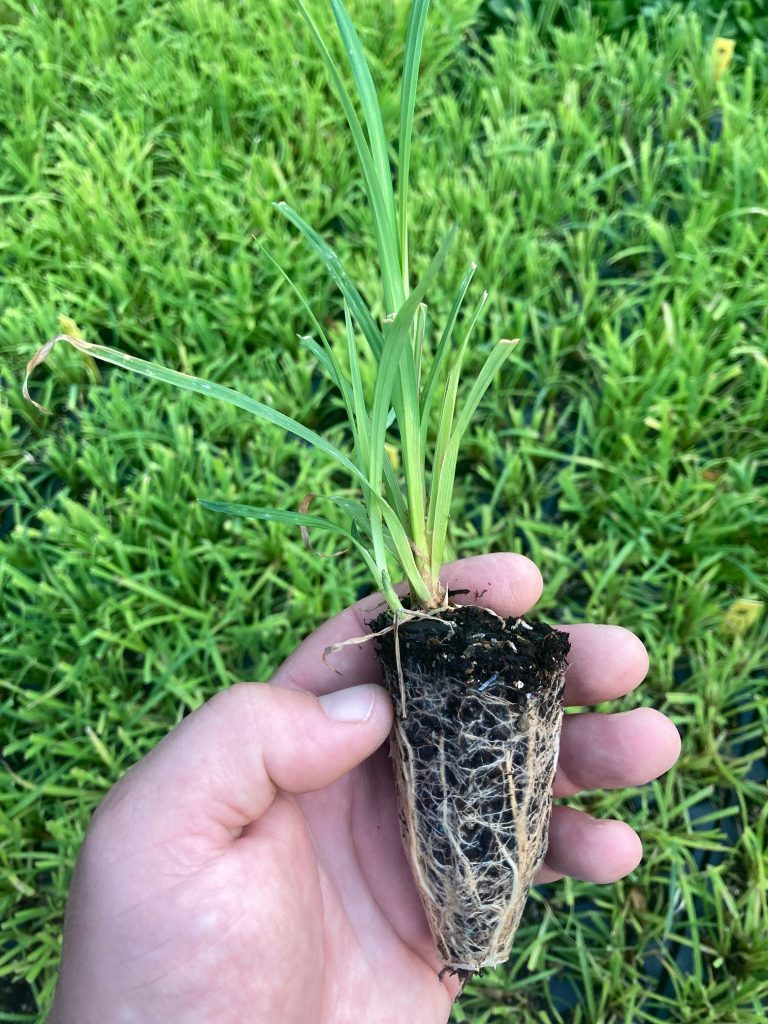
{"x":467,"y":643}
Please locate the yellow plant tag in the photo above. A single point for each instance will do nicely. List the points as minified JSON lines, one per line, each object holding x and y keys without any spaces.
{"x":722,"y":52}
{"x":740,"y":616}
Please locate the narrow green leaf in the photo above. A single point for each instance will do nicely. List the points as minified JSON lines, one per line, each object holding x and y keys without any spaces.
{"x":369,"y":101}
{"x":413,"y":44}
{"x":361,"y":423}
{"x":394,"y":363}
{"x":444,"y":470}
{"x":397,"y":337}
{"x":445,"y":421}
{"x":500,"y":352}
{"x":288,"y":518}
{"x":359,"y":517}
{"x":382,"y":206}
{"x":442,"y":351}
{"x":394,"y":492}
{"x":330,"y":364}
{"x":358,"y":414}
{"x":295,"y":289}
{"x":326,"y":358}
{"x":186,"y":382}
{"x":418,"y":343}
{"x":343,"y":281}
{"x":351,"y":508}
{"x":321,"y":355}
{"x":277,"y":515}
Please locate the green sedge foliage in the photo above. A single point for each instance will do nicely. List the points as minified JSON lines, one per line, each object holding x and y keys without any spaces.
{"x":400,"y":520}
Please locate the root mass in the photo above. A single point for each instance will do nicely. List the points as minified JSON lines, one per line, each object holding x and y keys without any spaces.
{"x":478,"y":709}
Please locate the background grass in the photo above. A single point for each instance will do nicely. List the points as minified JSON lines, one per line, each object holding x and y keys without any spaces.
{"x":615,"y":199}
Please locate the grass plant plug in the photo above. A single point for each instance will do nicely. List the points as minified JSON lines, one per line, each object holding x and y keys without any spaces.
{"x":478,"y":698}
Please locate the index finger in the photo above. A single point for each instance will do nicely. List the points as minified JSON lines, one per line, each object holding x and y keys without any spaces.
{"x":509,"y":584}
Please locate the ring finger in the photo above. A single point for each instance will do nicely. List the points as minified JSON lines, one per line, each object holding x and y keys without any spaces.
{"x":612,"y":751}
{"x":588,"y":848}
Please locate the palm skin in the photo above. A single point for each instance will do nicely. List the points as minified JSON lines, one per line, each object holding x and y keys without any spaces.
{"x":250,"y":870}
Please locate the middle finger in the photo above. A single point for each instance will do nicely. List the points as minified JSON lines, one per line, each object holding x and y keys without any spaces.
{"x":612,"y":751}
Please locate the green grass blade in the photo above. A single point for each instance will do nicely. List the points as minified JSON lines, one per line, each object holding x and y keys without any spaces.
{"x":442,"y":352}
{"x":369,"y":101}
{"x":187,"y":382}
{"x":277,"y":515}
{"x":359,"y":518}
{"x":413,"y":44}
{"x":444,"y":469}
{"x":397,"y":336}
{"x":445,"y":421}
{"x":403,"y":549}
{"x":288,"y":518}
{"x":397,"y":363}
{"x":358,"y":413}
{"x":326,"y":357}
{"x":379,"y":191}
{"x":327,"y":363}
{"x":295,"y":289}
{"x":343,"y":281}
{"x":351,"y":508}
{"x":394,"y":492}
{"x":500,"y":352}
{"x":366,"y":91}
{"x":418,"y":343}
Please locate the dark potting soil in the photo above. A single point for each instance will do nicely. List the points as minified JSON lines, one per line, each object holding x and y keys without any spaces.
{"x":483,"y":650}
{"x":457,"y":668}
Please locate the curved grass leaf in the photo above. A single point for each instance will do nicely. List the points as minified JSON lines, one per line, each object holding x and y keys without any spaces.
{"x":447,"y":411}
{"x":359,"y":517}
{"x":325,"y":357}
{"x":285,"y":516}
{"x":369,"y":101}
{"x":343,"y":281}
{"x":442,"y":351}
{"x":413,"y":44}
{"x":357,"y":411}
{"x":396,"y":339}
{"x":500,"y":352}
{"x":444,"y":472}
{"x":186,"y":382}
{"x":382,"y":205}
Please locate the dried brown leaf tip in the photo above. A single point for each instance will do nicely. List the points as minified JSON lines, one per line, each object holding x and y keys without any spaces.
{"x":39,"y":357}
{"x":45,"y":350}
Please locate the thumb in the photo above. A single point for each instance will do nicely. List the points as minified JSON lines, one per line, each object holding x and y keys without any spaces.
{"x":220,"y":768}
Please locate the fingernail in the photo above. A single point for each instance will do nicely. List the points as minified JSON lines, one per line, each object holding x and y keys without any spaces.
{"x":351,"y":705}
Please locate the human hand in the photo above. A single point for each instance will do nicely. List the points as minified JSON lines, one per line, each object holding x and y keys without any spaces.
{"x":250,"y":869}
